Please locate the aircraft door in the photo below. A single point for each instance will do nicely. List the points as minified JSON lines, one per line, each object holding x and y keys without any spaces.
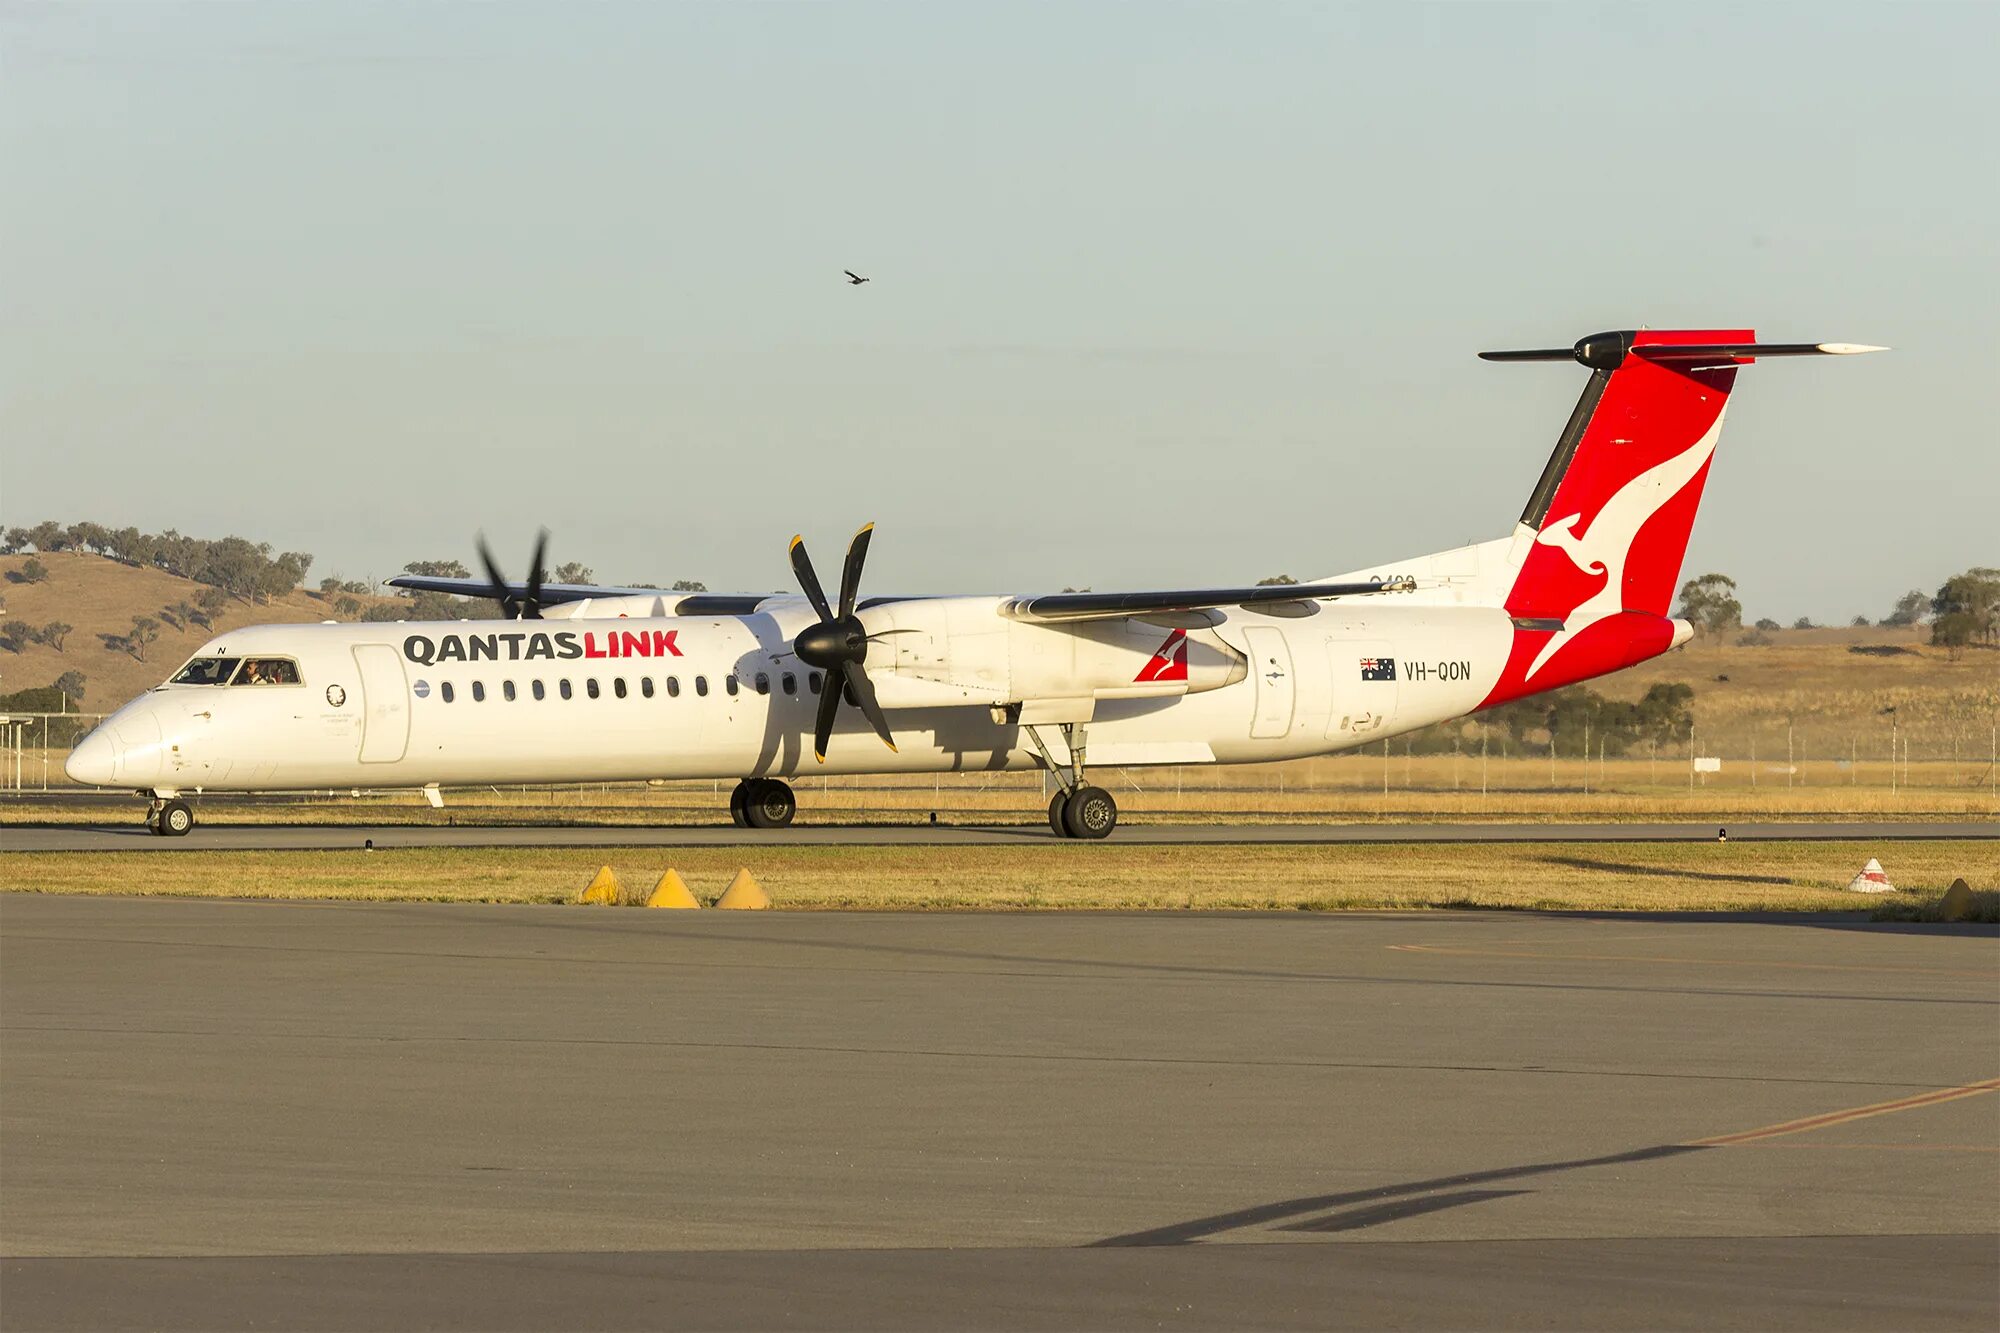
{"x":1271,"y":665}
{"x":385,"y":703}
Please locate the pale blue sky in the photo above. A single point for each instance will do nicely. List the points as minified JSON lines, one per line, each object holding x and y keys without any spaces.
{"x":1163,"y":294}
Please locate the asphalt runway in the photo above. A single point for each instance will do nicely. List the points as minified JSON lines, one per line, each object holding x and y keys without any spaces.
{"x":132,"y":836}
{"x":336,"y":1115}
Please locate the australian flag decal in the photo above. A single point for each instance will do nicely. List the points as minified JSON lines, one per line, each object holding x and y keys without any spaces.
{"x":1378,"y":668}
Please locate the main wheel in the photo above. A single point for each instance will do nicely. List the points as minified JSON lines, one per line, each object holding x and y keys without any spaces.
{"x":770,"y":804}
{"x":739,"y":801}
{"x":1056,"y":808}
{"x":1090,"y":813}
{"x":176,"y":818}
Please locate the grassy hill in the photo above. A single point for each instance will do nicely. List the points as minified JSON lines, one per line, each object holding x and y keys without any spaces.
{"x":99,"y":597}
{"x":1831,"y":685}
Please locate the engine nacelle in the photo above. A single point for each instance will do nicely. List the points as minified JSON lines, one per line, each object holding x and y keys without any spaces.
{"x":961,"y":650}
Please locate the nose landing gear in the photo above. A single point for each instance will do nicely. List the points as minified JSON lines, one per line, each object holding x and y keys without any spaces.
{"x":762,"y":803}
{"x":169,"y":816}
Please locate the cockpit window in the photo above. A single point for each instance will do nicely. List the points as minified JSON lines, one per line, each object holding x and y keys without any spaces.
{"x":268,"y":671}
{"x":206,"y":671}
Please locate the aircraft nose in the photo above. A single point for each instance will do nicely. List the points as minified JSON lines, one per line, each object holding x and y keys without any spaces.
{"x":94,"y":761}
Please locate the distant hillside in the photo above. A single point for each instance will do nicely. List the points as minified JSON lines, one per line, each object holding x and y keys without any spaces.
{"x":99,"y":597}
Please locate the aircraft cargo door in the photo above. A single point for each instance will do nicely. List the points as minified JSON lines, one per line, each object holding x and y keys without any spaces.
{"x":385,"y":703}
{"x":1271,"y":668}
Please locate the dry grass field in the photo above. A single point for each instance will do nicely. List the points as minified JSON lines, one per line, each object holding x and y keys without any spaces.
{"x":1784,"y":877}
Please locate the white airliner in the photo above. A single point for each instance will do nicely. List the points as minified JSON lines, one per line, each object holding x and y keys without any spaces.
{"x":608,"y":684}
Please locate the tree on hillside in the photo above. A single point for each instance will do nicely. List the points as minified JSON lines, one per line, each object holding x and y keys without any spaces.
{"x":1967,"y":609}
{"x":1767,"y":624}
{"x":1911,"y":608}
{"x":437,"y":569}
{"x":71,"y":685}
{"x":54,"y":633}
{"x":346,"y":607}
{"x":689,"y":585}
{"x":19,"y":634}
{"x":144,"y":631}
{"x":1277,"y":580}
{"x":574,"y":571}
{"x":210,"y":601}
{"x":1861,"y":622}
{"x":1710,"y":604}
{"x":34,"y":571}
{"x":1804,"y":622}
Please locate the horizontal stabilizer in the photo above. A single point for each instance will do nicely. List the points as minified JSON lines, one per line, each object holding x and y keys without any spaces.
{"x":1606,"y":351}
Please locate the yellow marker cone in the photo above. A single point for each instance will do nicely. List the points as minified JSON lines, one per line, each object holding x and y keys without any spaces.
{"x":744,"y":894}
{"x":671,"y":891}
{"x":1956,"y":905}
{"x":603,"y":889}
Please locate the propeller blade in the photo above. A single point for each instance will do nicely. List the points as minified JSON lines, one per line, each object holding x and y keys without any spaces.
{"x":864,"y":694}
{"x":494,"y":576}
{"x":531,"y":608}
{"x":850,"y":573}
{"x":802,"y":566}
{"x":829,"y":705}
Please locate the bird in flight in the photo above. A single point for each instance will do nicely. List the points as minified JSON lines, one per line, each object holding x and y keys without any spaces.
{"x":853,"y":279}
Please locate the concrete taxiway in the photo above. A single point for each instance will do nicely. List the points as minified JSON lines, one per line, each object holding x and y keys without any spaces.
{"x":134,"y":837}
{"x":220,"y":1114}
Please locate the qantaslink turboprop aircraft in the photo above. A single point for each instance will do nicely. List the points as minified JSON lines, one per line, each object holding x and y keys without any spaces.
{"x":607,"y":684}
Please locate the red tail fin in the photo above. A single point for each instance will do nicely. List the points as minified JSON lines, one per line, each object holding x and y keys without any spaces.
{"x":1612,"y":513}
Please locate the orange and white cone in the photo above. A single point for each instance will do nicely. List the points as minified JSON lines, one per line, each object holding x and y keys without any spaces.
{"x":1871,"y":879}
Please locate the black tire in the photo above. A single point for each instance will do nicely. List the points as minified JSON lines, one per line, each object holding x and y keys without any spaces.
{"x":1090,"y":813}
{"x":176,"y":818}
{"x":1056,"y":808}
{"x":769,"y":804}
{"x":739,"y":802}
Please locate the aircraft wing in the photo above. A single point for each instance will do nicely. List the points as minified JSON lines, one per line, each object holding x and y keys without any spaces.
{"x":555,"y":594}
{"x":1191,"y":605}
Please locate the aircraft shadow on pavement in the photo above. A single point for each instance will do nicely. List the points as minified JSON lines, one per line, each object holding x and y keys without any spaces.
{"x":1396,"y":1205}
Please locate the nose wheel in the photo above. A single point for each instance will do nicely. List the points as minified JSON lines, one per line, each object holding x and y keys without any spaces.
{"x":171,"y":818}
{"x":762,"y":803}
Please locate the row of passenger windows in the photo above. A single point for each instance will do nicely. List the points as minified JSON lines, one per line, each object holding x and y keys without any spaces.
{"x":788,"y":683}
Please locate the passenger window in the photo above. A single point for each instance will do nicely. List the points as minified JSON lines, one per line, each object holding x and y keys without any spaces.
{"x":536,"y":688}
{"x":479,"y":691}
{"x":646,"y":686}
{"x":729,"y":683}
{"x":206,"y":671}
{"x":444,"y":691}
{"x":763,"y":683}
{"x":701,"y":686}
{"x":590,"y":687}
{"x":268,"y":671}
{"x":673,"y":687}
{"x":812,"y":681}
{"x":562,"y":688}
{"x":507,"y":690}
{"x":618,"y":686}
{"x":789,"y":682}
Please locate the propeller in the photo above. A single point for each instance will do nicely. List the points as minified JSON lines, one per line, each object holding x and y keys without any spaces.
{"x":528,"y":605}
{"x":838,"y":644}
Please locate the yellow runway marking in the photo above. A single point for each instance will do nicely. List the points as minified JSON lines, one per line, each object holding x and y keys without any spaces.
{"x":1984,"y":973}
{"x":1832,"y":1118}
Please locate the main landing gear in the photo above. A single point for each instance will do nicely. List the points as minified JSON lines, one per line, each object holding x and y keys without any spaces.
{"x":1078,"y":810}
{"x":762,"y":803}
{"x":169,"y":816}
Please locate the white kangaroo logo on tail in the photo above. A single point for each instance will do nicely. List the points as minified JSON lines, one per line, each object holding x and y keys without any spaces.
{"x":1606,"y":545}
